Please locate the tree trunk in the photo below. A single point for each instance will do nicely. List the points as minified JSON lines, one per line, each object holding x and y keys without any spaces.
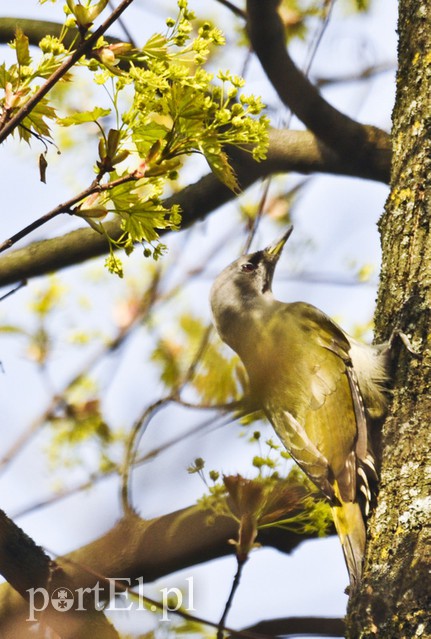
{"x":395,"y":597}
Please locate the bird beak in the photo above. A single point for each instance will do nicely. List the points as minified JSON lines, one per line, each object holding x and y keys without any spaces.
{"x":273,"y":251}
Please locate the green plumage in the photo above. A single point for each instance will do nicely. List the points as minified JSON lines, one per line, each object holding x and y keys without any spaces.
{"x":299,"y":364}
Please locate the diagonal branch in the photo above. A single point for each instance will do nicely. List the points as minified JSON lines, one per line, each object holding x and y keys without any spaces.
{"x":316,"y":626}
{"x":35,"y":30}
{"x":84,"y":48}
{"x":144,"y":550}
{"x":362,"y":144}
{"x":298,"y":151}
{"x":17,"y":553}
{"x":26,"y":566}
{"x":66,"y":207}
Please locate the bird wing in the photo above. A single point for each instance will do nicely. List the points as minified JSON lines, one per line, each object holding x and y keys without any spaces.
{"x":316,"y":405}
{"x":301,"y":448}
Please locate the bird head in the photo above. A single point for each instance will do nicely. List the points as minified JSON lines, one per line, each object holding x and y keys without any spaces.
{"x":243,"y":285}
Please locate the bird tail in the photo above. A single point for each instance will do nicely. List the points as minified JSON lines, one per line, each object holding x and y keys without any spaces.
{"x":349,"y":524}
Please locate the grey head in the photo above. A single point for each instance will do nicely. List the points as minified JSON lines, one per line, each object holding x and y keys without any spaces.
{"x":243,"y":288}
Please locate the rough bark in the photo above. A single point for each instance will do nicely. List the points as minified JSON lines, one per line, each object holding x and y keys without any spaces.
{"x":395,"y":600}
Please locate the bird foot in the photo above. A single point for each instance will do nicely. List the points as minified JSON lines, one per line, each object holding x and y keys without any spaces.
{"x":397,"y":334}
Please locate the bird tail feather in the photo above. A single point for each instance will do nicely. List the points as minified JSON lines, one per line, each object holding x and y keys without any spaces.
{"x":349,"y":524}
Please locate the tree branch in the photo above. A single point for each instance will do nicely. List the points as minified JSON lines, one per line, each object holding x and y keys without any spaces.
{"x":35,"y":30}
{"x":298,"y":151}
{"x":66,"y":207}
{"x":81,"y":50}
{"x":363,"y":145}
{"x":141,"y":549}
{"x":235,"y":10}
{"x":17,"y":552}
{"x":26,"y":566}
{"x":318,"y":626}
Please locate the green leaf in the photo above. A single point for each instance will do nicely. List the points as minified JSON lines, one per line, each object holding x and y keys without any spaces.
{"x":49,"y":298}
{"x":122,"y":195}
{"x":220,"y":166}
{"x":84,"y":116}
{"x":156,"y":46}
{"x":22,"y":48}
{"x":4,"y":76}
{"x":35,"y":121}
{"x":166,"y":354}
{"x":97,"y":9}
{"x":146,"y":135}
{"x":11,"y":329}
{"x":142,"y":220}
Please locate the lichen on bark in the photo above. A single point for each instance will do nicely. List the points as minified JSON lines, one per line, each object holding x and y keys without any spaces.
{"x":395,"y":599}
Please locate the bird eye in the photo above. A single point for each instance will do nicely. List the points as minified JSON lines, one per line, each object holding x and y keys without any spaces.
{"x":248,"y":267}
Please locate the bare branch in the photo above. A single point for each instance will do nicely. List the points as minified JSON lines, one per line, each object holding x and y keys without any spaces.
{"x":362,"y":144}
{"x":26,"y":565}
{"x":35,"y":30}
{"x":235,"y":585}
{"x":298,"y":151}
{"x":66,"y":207}
{"x":318,"y":626}
{"x":234,"y":9}
{"x":149,"y":550}
{"x":22,"y":562}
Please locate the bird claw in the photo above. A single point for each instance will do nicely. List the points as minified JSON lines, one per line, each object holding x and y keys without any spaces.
{"x":396,"y":333}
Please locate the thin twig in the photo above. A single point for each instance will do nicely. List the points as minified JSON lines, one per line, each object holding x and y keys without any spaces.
{"x":131,"y":460}
{"x":317,"y":39}
{"x":258,"y":216}
{"x":66,"y":207}
{"x":191,"y":370}
{"x":124,"y":27}
{"x":235,"y":10}
{"x":61,"y":71}
{"x":14,"y":290}
{"x":366,"y":74}
{"x":152,"y":603}
{"x":142,"y":423}
{"x":123,"y":333}
{"x":138,"y":430}
{"x":311,"y":56}
{"x":32,"y":227}
{"x":216,"y":421}
{"x":221,"y":624}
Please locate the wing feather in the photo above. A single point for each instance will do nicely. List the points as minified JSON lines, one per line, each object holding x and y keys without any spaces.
{"x":301,"y":448}
{"x":315,"y":403}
